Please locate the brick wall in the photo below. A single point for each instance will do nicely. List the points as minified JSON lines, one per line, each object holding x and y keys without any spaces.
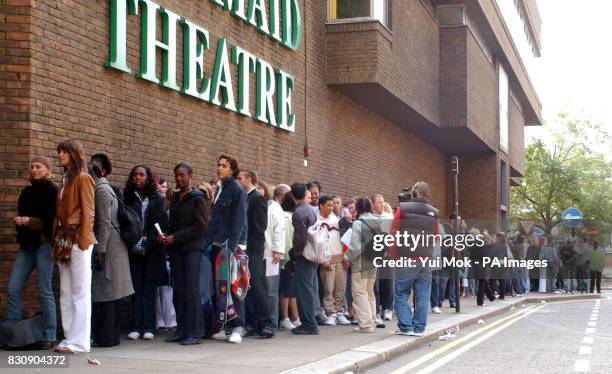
{"x":353,"y":150}
{"x":15,"y":140}
{"x":479,"y":191}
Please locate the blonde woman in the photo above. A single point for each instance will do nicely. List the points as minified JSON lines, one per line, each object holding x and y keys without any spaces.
{"x":34,"y":223}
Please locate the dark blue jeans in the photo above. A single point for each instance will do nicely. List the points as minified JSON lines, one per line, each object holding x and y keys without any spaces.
{"x":26,"y":260}
{"x":306,"y":287}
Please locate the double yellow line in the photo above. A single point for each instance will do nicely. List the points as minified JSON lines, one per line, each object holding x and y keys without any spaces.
{"x":494,"y":328}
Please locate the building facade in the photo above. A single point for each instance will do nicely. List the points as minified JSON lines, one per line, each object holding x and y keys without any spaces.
{"x":362,"y":95}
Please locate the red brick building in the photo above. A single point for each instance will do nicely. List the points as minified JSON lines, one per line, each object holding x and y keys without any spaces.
{"x":383,"y":93}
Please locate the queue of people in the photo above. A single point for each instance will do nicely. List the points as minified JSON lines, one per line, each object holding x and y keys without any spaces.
{"x":230,"y":259}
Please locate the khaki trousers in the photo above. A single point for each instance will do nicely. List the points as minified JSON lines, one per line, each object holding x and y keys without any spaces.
{"x":364,"y":300}
{"x":334,"y":285}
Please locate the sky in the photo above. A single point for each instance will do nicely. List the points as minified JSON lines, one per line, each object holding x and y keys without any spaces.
{"x":575,"y":70}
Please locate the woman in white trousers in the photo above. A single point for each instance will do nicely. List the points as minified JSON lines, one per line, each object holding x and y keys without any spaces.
{"x":74,"y":221}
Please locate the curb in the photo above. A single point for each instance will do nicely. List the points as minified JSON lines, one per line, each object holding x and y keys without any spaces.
{"x":366,"y":356}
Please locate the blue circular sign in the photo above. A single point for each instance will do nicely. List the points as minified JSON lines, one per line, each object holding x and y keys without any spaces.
{"x":538,"y":232}
{"x":571,"y":217}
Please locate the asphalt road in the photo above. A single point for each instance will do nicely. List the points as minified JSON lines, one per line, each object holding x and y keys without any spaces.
{"x":563,"y":337}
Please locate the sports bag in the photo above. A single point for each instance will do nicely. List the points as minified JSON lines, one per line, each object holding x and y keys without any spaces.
{"x":23,"y":333}
{"x":240,"y":274}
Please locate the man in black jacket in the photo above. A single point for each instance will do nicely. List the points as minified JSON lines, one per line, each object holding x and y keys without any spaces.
{"x":257,"y":308}
{"x":226,"y":224}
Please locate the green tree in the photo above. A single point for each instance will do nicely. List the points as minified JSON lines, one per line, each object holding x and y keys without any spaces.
{"x":566,"y":169}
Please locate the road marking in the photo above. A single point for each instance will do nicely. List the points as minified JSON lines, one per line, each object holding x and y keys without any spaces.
{"x":446,"y":347}
{"x":442,"y":361}
{"x":582,"y":366}
{"x":592,"y":324}
{"x":587,"y":340}
{"x":590,"y":330}
{"x":584,"y":350}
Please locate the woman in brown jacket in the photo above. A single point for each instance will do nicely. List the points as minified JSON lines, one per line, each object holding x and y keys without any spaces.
{"x":74,"y":220}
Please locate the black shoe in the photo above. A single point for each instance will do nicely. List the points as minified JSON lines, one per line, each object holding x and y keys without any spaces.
{"x":174,"y":339}
{"x":45,"y":346}
{"x":380,"y":326}
{"x":453,"y":305}
{"x":354,"y":322}
{"x":266,"y":333}
{"x":249,"y":331}
{"x":304,"y":331}
{"x":190,"y":341}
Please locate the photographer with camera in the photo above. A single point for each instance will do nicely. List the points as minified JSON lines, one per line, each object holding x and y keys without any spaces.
{"x":414,"y":217}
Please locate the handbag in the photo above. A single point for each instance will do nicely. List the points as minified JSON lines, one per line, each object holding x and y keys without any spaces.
{"x":62,"y":245}
{"x":317,"y":248}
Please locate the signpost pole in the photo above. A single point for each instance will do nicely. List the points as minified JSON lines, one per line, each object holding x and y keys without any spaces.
{"x":456,"y":279}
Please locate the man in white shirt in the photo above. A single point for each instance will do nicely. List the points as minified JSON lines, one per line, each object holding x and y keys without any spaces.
{"x":275,"y":247}
{"x":333,"y":274}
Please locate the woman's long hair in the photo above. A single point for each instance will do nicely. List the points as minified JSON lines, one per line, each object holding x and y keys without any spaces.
{"x":75,"y":149}
{"x":148,"y":189}
{"x":362,"y":206}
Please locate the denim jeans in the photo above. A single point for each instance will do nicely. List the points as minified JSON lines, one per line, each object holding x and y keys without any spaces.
{"x":438,"y":289}
{"x":306,"y":289}
{"x":27,"y":259}
{"x":405,"y":280}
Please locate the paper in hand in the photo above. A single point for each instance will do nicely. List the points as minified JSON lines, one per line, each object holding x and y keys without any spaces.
{"x":158,"y":228}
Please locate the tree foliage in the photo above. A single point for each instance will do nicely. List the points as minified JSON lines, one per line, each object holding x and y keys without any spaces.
{"x":567,"y":169}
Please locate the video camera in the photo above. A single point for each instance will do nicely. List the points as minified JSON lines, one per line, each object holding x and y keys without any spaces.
{"x":405,"y":195}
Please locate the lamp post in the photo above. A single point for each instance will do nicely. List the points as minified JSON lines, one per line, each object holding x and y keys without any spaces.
{"x":456,"y":279}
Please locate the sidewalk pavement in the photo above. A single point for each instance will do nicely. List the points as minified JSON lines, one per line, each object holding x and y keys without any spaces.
{"x":337,"y":349}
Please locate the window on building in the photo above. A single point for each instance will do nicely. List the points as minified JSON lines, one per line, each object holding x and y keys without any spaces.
{"x":503,"y":195}
{"x":358,"y":10}
{"x":503,"y":109}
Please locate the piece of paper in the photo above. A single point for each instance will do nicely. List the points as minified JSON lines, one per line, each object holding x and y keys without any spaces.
{"x":159,"y":230}
{"x":346,"y":238}
{"x":271,"y":269}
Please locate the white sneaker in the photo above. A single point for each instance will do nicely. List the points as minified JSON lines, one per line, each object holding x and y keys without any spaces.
{"x":379,"y":319}
{"x":134,"y":335}
{"x":286,"y":325}
{"x":342,"y":320}
{"x":235,"y":338}
{"x":436,"y":310}
{"x":412,"y":333}
{"x":557,"y":292}
{"x":330,"y":320}
{"x":405,"y":333}
{"x":148,"y":336}
{"x":297,"y":323}
{"x":387,"y":315}
{"x":221,"y":335}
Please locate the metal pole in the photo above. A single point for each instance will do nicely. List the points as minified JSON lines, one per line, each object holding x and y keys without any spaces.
{"x":456,"y":279}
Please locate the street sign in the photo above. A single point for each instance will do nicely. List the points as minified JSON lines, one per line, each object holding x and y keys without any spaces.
{"x":538,"y":231}
{"x":592,"y":231}
{"x":526,"y":226}
{"x":571,"y":217}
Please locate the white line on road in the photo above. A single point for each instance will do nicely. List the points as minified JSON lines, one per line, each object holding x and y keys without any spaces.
{"x":590,"y":330}
{"x":587,"y":340}
{"x":582,"y":366}
{"x":423,"y":359}
{"x":592,"y":324}
{"x":442,"y":361}
{"x":584,"y":350}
